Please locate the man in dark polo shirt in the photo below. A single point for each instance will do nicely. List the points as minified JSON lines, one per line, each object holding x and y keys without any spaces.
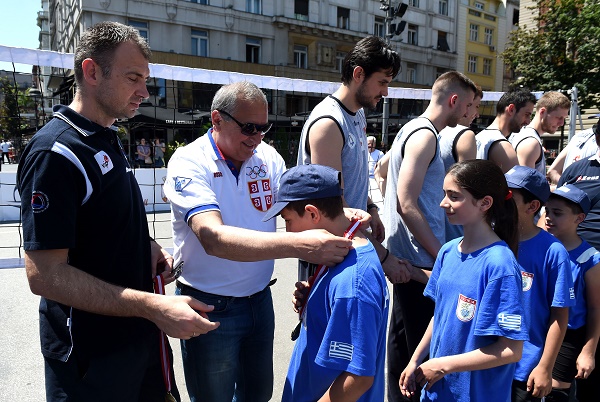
{"x":88,"y":252}
{"x":585,"y":174}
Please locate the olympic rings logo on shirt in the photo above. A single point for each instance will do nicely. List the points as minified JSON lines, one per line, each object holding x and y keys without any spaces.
{"x":254,"y":172}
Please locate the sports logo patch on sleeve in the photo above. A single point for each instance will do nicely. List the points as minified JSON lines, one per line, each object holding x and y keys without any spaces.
{"x":39,"y":202}
{"x":341,"y":350}
{"x":465,"y":309}
{"x":181,"y":183}
{"x":104,"y":162}
{"x":261,"y":194}
{"x":509,"y":321}
{"x":526,"y":280}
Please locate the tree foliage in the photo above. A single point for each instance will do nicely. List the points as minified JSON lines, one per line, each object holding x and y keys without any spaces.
{"x":562,"y":51}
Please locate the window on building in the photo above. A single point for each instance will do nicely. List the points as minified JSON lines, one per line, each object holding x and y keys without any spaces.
{"x":379,"y":27}
{"x":488,"y":36}
{"x":253,"y":50}
{"x":439,"y":71}
{"x":199,"y":43}
{"x":301,"y":10}
{"x":301,"y":56}
{"x":479,"y":5}
{"x":442,"y":41}
{"x":141,"y":26}
{"x":339,"y":60}
{"x":443,"y":7}
{"x":472,"y":65}
{"x":487,"y":66}
{"x":253,"y":6}
{"x":413,"y":3}
{"x":343,"y":18}
{"x":198,"y":1}
{"x":411,"y":73}
{"x":413,"y":34}
{"x":515,"y":18}
{"x":474,"y":32}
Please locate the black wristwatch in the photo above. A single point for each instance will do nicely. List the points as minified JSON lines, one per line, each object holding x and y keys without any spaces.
{"x":371,"y":206}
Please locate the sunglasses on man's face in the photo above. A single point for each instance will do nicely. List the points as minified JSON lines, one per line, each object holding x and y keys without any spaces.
{"x":249,"y":129}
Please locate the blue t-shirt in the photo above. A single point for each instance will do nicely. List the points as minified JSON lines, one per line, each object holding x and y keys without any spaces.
{"x":547,"y":283}
{"x":583,"y":258}
{"x":478,"y":298}
{"x":345,"y":329}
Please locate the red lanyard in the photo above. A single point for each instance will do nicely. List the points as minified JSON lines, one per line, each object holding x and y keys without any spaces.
{"x":159,"y":288}
{"x":322,"y":269}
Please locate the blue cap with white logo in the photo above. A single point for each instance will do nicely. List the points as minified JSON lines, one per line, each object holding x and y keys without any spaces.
{"x":576,"y":195}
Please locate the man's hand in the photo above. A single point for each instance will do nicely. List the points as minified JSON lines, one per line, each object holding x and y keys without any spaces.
{"x":162,"y":262}
{"x":360,"y":215}
{"x":182,"y":317}
{"x":407,"y":382}
{"x":377,"y":229}
{"x":585,"y":365}
{"x":321,"y":247}
{"x":299,"y":295}
{"x":396,"y":270}
{"x":539,"y":382}
{"x":429,"y":373}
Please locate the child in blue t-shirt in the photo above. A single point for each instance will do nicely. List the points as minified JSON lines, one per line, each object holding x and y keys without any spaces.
{"x":478,"y":328}
{"x":340,"y":352}
{"x":547,"y":287}
{"x":565,"y":209}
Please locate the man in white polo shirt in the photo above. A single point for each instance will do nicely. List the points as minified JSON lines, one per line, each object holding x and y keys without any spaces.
{"x":220,"y":187}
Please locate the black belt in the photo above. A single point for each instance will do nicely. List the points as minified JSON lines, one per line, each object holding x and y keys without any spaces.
{"x":184,"y":286}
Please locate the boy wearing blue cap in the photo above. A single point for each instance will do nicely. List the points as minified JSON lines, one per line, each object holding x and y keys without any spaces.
{"x":340,"y":352}
{"x":565,"y":209}
{"x":547,"y":287}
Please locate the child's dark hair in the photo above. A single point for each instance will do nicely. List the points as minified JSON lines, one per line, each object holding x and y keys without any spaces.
{"x":330,"y":207}
{"x":481,"y":178}
{"x":573,"y":206}
{"x":528,"y":196}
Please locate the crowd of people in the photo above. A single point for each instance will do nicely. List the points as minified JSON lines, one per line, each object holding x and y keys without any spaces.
{"x":494,"y":275}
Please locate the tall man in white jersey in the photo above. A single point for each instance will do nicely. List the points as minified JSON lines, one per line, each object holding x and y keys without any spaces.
{"x":335,"y":133}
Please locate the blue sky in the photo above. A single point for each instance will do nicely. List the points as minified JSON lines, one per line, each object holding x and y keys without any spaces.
{"x":18,"y":27}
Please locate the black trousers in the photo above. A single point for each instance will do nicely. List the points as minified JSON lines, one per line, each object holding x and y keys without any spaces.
{"x":127,"y":375}
{"x":411,"y":314}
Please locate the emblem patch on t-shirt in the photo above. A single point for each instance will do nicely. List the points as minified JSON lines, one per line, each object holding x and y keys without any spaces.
{"x":526,"y":280}
{"x":261,"y":194}
{"x":104,"y":162}
{"x":39,"y":202}
{"x":181,"y":183}
{"x":509,"y":321}
{"x":351,"y":141}
{"x":341,"y":350}
{"x":465,"y":309}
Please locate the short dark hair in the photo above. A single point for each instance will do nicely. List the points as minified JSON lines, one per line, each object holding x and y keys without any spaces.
{"x":100,"y":43}
{"x":372,"y":54}
{"x":573,"y":206}
{"x":450,"y":82}
{"x":528,"y":196}
{"x":519,"y":97}
{"x":330,"y":207}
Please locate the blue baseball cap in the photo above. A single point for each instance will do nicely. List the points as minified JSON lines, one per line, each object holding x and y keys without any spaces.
{"x":528,"y":179}
{"x":576,"y":195}
{"x":305,"y":182}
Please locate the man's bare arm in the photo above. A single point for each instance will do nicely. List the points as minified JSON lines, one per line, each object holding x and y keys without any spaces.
{"x":503,"y":155}
{"x":238,"y":244}
{"x":52,"y":277}
{"x":466,"y":146}
{"x":528,"y":152}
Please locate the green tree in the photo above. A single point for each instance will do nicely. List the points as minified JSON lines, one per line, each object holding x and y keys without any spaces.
{"x":562,"y":51}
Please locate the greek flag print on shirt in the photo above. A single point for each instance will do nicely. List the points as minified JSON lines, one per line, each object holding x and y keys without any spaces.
{"x":341,"y":350}
{"x":509,"y":321}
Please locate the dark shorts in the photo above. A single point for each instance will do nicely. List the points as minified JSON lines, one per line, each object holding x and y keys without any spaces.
{"x":520,"y":393}
{"x":127,"y":375}
{"x":565,"y":368}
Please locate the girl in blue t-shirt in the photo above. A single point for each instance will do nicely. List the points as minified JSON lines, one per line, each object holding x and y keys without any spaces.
{"x":478,"y":327}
